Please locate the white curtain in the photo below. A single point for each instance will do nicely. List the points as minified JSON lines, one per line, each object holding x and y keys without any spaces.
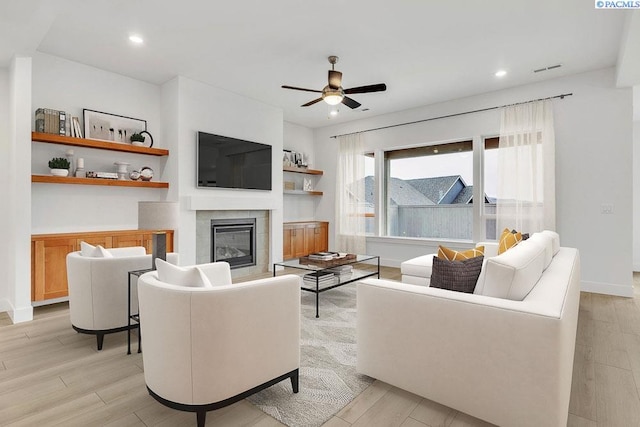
{"x":526,"y":168}
{"x":350,"y":206}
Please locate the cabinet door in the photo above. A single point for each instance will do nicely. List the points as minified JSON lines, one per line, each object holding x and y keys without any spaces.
{"x":298,"y":243}
{"x":287,"y":244}
{"x":49,"y":267}
{"x":128,"y":240}
{"x":310,"y":239}
{"x":321,"y":237}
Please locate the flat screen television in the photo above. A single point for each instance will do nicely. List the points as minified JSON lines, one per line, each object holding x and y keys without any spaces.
{"x":225,"y":162}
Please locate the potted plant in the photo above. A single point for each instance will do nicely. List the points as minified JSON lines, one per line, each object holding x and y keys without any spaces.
{"x":137,"y":139}
{"x":59,"y":166}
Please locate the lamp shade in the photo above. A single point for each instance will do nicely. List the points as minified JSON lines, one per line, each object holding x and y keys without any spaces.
{"x":157,"y":215}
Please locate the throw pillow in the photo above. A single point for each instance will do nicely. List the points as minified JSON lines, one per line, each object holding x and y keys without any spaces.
{"x":453,"y":255}
{"x":525,"y":236}
{"x":508,"y":240}
{"x":94,"y":251}
{"x":181,"y":276}
{"x":460,"y":276}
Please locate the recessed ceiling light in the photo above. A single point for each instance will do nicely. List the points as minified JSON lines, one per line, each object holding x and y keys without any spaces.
{"x":501,"y":73}
{"x":136,"y":39}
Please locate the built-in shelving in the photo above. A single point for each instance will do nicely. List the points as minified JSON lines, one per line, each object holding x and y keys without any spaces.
{"x":302,"y":170}
{"x":50,"y":179}
{"x":94,"y":143}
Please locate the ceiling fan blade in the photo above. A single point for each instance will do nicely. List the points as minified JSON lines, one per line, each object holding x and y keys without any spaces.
{"x":311,"y":102}
{"x":380,"y":87}
{"x":351,"y":103}
{"x":301,"y":88}
{"x":335,"y":79}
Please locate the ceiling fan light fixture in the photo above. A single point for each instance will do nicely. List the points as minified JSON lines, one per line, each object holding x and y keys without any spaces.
{"x":332,"y":96}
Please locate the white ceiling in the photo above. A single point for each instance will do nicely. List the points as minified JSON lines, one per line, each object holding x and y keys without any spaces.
{"x":425,"y":51}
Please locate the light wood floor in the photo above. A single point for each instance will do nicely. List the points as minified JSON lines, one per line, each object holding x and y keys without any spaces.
{"x":50,"y":375}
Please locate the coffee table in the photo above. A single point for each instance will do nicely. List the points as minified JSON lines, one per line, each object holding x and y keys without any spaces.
{"x":362,"y":266}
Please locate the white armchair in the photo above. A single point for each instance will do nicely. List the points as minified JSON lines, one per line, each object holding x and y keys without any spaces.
{"x":98,"y":289}
{"x":208,"y":347}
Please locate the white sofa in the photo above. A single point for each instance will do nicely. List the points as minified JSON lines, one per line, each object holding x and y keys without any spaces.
{"x":205,"y":348}
{"x":507,"y":360}
{"x":98,"y":290}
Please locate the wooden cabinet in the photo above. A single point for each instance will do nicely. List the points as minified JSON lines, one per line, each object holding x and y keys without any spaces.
{"x":303,"y":238}
{"x":49,"y":256}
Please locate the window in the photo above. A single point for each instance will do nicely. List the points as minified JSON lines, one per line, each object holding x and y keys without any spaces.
{"x":429,"y":191}
{"x":370,"y":192}
{"x":490,"y":177}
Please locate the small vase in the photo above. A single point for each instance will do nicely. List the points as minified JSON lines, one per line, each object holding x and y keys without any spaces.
{"x":59,"y":172}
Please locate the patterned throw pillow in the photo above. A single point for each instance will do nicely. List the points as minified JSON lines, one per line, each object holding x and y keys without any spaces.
{"x":453,"y":255}
{"x":460,"y":276}
{"x":508,"y":240}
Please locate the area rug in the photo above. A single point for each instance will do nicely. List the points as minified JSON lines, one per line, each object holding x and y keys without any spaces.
{"x":328,"y":377}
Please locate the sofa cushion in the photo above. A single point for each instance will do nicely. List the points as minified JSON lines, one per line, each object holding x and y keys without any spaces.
{"x":555,"y":237}
{"x":419,"y":266}
{"x":458,"y":276}
{"x":181,"y":276}
{"x":546,"y":241}
{"x":508,"y":240}
{"x":514,"y":273}
{"x":94,"y":251}
{"x":453,"y":255}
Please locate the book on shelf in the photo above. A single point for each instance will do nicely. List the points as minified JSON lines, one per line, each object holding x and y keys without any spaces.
{"x":40,"y":120}
{"x":76,"y":124}
{"x":62,"y":125}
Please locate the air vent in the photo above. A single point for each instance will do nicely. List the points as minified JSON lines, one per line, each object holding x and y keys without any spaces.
{"x":550,"y":67}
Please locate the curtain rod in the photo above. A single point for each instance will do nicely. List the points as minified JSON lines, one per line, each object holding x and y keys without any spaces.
{"x":454,"y":115}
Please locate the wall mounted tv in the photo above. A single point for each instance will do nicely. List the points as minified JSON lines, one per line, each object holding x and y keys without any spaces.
{"x":226,"y":162}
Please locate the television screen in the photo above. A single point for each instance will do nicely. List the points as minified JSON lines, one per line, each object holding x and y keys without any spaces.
{"x":226,"y":162}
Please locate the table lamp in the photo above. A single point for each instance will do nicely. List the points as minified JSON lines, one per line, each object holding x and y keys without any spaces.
{"x":158,"y":216}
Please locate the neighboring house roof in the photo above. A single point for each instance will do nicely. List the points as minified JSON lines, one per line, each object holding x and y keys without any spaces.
{"x":436,"y":188}
{"x":400,"y":192}
{"x":464,"y":196}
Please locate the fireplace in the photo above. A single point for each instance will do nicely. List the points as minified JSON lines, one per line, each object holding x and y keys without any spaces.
{"x":234,"y":241}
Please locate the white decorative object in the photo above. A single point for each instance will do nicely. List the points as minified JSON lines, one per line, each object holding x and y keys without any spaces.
{"x":122,"y":170}
{"x":307,"y":184}
{"x":59,"y":172}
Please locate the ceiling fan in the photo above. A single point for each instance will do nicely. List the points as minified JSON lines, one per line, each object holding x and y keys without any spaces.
{"x":334,"y":94}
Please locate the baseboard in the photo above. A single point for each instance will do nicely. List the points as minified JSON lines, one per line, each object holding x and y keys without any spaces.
{"x":386,"y":262}
{"x":607,"y":288}
{"x":49,"y":301}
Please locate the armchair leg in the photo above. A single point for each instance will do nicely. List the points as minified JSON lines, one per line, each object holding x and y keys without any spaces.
{"x":100,"y":339}
{"x":295,"y":381}
{"x":201,"y":417}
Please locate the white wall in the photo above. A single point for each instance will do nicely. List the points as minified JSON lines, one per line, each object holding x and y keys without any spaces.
{"x":296,"y":207}
{"x":593,"y":167}
{"x":65,"y":85}
{"x":17,"y":239}
{"x":208,"y":109}
{"x":636,"y":178}
{"x":5,"y":211}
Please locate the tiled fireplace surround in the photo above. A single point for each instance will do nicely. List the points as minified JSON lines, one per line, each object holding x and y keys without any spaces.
{"x":203,"y":237}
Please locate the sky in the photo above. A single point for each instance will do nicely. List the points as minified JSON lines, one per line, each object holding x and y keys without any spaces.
{"x":443,"y":165}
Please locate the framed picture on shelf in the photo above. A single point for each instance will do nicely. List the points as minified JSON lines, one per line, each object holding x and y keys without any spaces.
{"x":111,"y":127}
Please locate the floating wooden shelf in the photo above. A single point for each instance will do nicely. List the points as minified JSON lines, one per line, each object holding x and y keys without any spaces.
{"x":302,"y":170}
{"x":50,"y":179}
{"x":303,"y":193}
{"x":93,"y":143}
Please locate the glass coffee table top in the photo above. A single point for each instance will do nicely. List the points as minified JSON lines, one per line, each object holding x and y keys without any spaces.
{"x":321,"y":276}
